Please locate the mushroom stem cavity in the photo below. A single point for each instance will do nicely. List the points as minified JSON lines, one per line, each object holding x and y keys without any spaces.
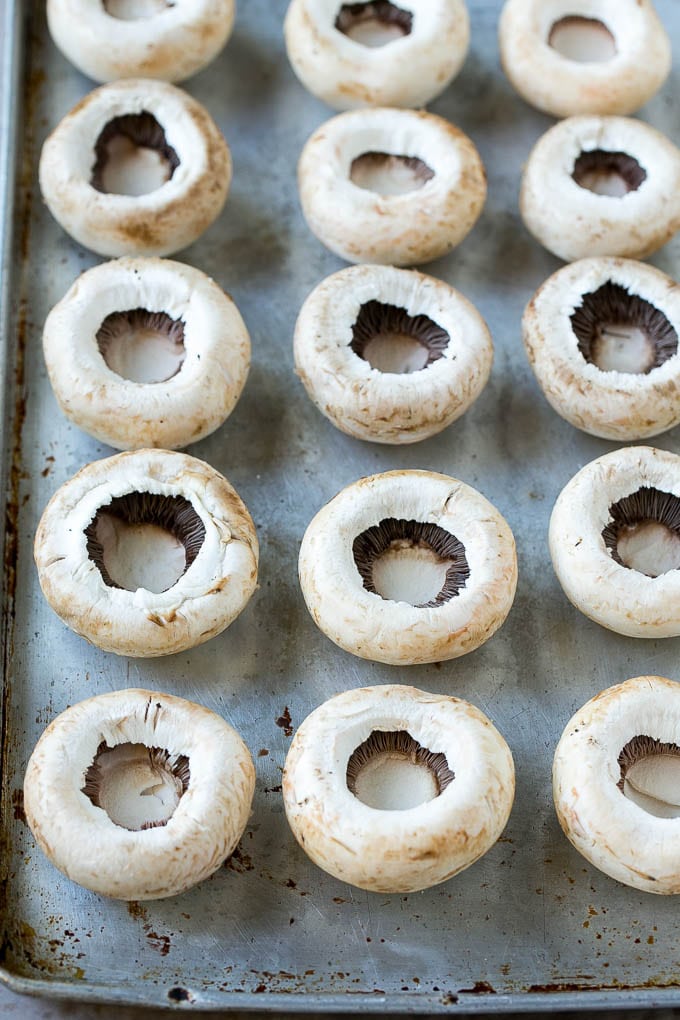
{"x":612,"y":174}
{"x":374,"y":24}
{"x":388,"y":174}
{"x":584,"y":40}
{"x":144,"y":540}
{"x":620,"y":332}
{"x":412,"y":562}
{"x":142,"y":346}
{"x":136,"y":10}
{"x":391,"y":771}
{"x":139,"y":787}
{"x":132,"y":156}
{"x":650,"y":776}
{"x":644,"y":533}
{"x":393,"y":341}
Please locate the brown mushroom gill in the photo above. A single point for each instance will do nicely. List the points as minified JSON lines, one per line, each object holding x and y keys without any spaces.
{"x":409,"y":561}
{"x":650,"y":775}
{"x":132,"y":156}
{"x":583,"y":40}
{"x":139,"y":787}
{"x":390,"y":771}
{"x":388,"y":175}
{"x":144,"y":540}
{"x":644,"y":532}
{"x":612,"y":174}
{"x":374,"y":24}
{"x":142,"y":346}
{"x":621,"y":332}
{"x":393,"y":341}
{"x":136,"y":10}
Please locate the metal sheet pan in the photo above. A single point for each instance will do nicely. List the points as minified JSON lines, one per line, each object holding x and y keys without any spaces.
{"x":532,"y":925}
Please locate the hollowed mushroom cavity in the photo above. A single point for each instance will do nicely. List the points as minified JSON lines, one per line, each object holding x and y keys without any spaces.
{"x":139,"y":787}
{"x":141,"y":346}
{"x":644,"y":533}
{"x":387,"y":174}
{"x":650,"y":776}
{"x":391,"y":771}
{"x":136,"y":10}
{"x":132,"y":156}
{"x":620,"y":332}
{"x":408,"y":561}
{"x":612,"y":174}
{"x":584,"y":40}
{"x":374,"y":24}
{"x":393,"y":341}
{"x":144,"y":540}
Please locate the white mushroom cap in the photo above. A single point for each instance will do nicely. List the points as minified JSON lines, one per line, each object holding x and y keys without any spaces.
{"x":91,"y":849}
{"x":437,"y":200}
{"x":628,"y":67}
{"x":572,"y":221}
{"x":470,"y":606}
{"x":611,"y":830}
{"x":397,"y":850}
{"x":627,"y":599}
{"x":393,"y":405}
{"x":130,"y":39}
{"x":87,"y":337}
{"x":409,"y":70}
{"x":216,"y":576}
{"x":159,"y":221}
{"x":590,"y":320}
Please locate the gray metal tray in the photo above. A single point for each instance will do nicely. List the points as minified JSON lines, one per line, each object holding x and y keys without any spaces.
{"x":532,"y":925}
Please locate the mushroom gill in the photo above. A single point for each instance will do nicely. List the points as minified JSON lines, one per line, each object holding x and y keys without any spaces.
{"x":375,"y":23}
{"x":387,"y":174}
{"x":612,"y":174}
{"x":132,"y":156}
{"x":144,"y":540}
{"x":393,"y":341}
{"x":411,"y":561}
{"x":139,"y":787}
{"x":644,"y":531}
{"x":650,"y":775}
{"x":584,"y":40}
{"x":142,"y":346}
{"x":621,"y":332}
{"x":136,"y":10}
{"x":390,"y":771}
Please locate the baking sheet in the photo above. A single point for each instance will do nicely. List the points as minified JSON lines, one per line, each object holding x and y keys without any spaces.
{"x":530,"y":926}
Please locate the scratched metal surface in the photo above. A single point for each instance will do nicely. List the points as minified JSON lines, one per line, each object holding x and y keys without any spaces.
{"x":532,"y":925}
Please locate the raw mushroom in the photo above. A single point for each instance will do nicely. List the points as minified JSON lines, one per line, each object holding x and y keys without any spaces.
{"x":394,"y":187}
{"x":408,"y":567}
{"x":146,"y":352}
{"x":391,"y":355}
{"x":138,"y":795}
{"x":616,"y":783}
{"x":602,"y":186}
{"x":147,"y":553}
{"x":602,"y":338}
{"x":584,"y":56}
{"x":376,"y":53}
{"x":138,"y":167}
{"x":394,"y":790}
{"x":615,"y":541}
{"x":166,"y":39}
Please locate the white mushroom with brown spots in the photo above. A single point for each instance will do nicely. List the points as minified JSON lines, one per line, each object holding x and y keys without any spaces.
{"x":138,"y":167}
{"x":615,"y":541}
{"x":376,"y":53}
{"x":391,"y":355}
{"x":146,"y":352}
{"x":408,"y":567}
{"x":616,"y":783}
{"x":147,"y":553}
{"x":393,"y":789}
{"x":138,"y":795}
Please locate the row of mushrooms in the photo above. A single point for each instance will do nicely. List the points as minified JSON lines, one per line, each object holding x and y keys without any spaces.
{"x":152,"y":551}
